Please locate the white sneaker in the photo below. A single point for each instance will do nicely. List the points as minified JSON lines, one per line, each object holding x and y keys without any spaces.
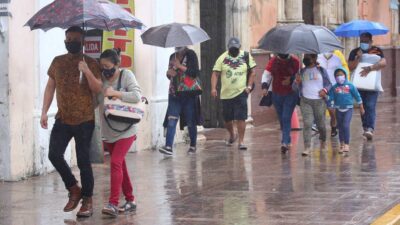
{"x":306,"y":152}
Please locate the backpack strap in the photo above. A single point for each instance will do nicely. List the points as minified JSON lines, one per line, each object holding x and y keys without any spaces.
{"x":247,"y":59}
{"x":120,"y":80}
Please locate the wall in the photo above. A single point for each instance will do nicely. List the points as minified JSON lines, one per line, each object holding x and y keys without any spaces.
{"x":378,"y":11}
{"x":263,"y":17}
{"x":4,"y":102}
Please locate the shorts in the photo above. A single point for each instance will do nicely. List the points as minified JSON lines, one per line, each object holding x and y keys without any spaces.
{"x":235,"y":108}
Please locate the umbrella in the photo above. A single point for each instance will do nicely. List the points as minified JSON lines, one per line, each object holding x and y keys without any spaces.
{"x":299,"y":38}
{"x":356,"y":27}
{"x":118,"y":18}
{"x":102,"y":14}
{"x":174,"y":35}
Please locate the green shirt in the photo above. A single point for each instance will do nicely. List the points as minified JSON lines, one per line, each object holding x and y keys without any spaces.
{"x":233,"y":74}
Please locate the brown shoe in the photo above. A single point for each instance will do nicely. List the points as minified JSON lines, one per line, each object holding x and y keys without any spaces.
{"x":86,"y":209}
{"x":74,"y":197}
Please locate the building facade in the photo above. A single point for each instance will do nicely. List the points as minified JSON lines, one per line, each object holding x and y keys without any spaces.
{"x":25,"y":57}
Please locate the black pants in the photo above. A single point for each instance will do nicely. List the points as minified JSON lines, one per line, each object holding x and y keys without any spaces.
{"x":59,"y":139}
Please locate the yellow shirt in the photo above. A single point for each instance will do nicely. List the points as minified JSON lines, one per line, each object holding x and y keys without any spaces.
{"x":233,"y":74}
{"x":340,"y":55}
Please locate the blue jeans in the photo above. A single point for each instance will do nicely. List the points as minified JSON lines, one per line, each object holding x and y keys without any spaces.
{"x":343,"y":123}
{"x":284,"y":106}
{"x":369,"y":99}
{"x":176,"y":106}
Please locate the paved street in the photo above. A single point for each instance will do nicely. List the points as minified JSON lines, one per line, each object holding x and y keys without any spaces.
{"x":222,"y":185}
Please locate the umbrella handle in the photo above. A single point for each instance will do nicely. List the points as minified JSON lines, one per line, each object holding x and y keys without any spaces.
{"x":80,"y":72}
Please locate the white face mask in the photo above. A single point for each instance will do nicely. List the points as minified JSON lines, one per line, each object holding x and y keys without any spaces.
{"x":328,"y":55}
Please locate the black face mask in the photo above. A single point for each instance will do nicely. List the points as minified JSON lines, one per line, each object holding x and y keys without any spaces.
{"x":73,"y":47}
{"x":283,"y":56}
{"x":307,"y":62}
{"x":108,"y":73}
{"x":234,"y":52}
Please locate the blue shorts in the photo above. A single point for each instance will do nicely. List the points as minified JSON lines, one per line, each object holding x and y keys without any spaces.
{"x":235,"y":108}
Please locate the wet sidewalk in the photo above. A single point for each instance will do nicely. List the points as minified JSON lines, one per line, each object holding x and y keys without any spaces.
{"x":222,"y":185}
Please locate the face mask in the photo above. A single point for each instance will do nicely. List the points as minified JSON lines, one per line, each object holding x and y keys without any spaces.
{"x":73,"y":47}
{"x":328,"y":55}
{"x":179,"y":49}
{"x":307,"y":62}
{"x":108,"y":73}
{"x":364,"y":46}
{"x":340,"y":79}
{"x":283,"y":56}
{"x":234,"y":52}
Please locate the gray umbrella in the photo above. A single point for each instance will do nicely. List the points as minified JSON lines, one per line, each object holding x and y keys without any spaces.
{"x":300,"y":38}
{"x":174,"y":35}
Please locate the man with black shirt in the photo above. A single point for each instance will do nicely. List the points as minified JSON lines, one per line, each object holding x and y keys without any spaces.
{"x":369,"y":98}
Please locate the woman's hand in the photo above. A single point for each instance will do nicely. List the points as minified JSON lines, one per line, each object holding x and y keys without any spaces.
{"x":171,"y":73}
{"x":322,"y":94}
{"x":298,"y":79}
{"x":110,"y":92}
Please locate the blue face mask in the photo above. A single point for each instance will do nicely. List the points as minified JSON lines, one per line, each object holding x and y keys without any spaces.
{"x":364,"y":46}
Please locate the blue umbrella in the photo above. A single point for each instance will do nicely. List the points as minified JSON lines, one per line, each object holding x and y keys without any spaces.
{"x":356,"y":27}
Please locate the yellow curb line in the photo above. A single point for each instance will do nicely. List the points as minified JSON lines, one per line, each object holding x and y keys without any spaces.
{"x":391,"y":217}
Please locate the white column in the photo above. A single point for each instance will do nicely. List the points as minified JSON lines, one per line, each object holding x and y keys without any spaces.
{"x":4,"y":101}
{"x":351,"y":13}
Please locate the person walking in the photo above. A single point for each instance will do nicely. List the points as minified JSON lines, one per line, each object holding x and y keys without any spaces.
{"x":118,"y":137}
{"x":280,"y":73}
{"x":236,"y":69}
{"x":313,"y":84}
{"x":183,"y":98}
{"x":331,"y":61}
{"x":369,"y":98}
{"x":341,"y":97}
{"x":75,"y":117}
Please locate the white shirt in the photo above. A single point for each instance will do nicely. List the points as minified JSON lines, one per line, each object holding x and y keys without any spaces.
{"x":312,"y":83}
{"x":330,"y":65}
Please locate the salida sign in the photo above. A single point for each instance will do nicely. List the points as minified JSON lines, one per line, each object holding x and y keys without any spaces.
{"x":93,"y":47}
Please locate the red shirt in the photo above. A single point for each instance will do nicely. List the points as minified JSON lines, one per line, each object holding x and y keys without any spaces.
{"x":283,"y":72}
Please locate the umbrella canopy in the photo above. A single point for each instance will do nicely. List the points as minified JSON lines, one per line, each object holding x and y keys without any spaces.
{"x":356,"y":27}
{"x":117,"y":18}
{"x":299,"y":38}
{"x":174,"y":35}
{"x":101,"y":14}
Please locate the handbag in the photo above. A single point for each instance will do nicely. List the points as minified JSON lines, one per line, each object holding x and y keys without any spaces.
{"x":186,"y":84}
{"x":123,"y":112}
{"x":372,"y":82}
{"x":266,"y":100}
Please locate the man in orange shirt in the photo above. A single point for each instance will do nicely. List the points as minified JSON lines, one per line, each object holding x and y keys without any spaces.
{"x":75,"y":117}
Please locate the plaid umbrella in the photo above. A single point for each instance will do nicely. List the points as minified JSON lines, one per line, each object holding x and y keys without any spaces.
{"x":102,"y":14}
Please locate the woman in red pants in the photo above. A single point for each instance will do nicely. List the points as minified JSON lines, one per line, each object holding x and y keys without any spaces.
{"x":118,"y":137}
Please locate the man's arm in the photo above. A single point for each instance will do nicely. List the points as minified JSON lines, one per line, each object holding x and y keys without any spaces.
{"x":214,"y":81}
{"x":47,"y":100}
{"x":354,"y":59}
{"x":252,"y":77}
{"x":95,"y":84}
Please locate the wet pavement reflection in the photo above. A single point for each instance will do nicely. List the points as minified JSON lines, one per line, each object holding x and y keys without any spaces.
{"x":222,"y":185}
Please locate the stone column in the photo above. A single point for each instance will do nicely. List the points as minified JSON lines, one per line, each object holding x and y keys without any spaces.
{"x":350,"y":13}
{"x":293,"y":11}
